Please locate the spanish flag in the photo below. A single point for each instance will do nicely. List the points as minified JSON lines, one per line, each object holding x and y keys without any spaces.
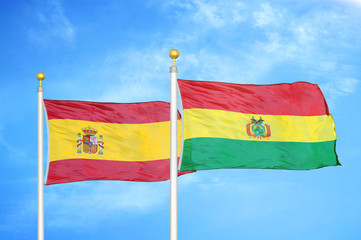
{"x":108,"y":141}
{"x":281,"y":126}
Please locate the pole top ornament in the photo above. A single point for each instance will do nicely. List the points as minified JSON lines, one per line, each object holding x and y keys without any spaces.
{"x":173,"y":54}
{"x":40,"y":76}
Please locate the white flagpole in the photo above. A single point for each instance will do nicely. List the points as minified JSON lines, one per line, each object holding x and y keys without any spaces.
{"x":173,"y":148}
{"x":40,"y":76}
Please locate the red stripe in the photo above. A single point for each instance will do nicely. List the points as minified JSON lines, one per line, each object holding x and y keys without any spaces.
{"x":146,"y":112}
{"x":75,"y":170}
{"x":300,"y":98}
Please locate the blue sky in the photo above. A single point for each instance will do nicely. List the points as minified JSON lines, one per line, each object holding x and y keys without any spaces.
{"x":117,"y":51}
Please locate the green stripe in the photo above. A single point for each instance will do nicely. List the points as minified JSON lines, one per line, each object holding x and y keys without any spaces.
{"x":215,"y":153}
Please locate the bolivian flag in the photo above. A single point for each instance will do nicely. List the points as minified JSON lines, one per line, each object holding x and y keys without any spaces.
{"x":281,"y":126}
{"x":108,"y":141}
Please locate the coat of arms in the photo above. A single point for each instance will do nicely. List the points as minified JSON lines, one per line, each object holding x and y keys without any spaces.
{"x":90,"y":142}
{"x":257,"y":129}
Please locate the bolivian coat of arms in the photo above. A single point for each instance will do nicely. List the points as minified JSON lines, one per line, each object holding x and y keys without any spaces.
{"x":258,"y":129}
{"x":90,"y":142}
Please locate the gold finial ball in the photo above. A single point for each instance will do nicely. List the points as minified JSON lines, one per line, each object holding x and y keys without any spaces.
{"x":40,"y":76}
{"x":173,"y":53}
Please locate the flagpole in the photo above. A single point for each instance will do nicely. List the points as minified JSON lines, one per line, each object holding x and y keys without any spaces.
{"x":173,"y":148}
{"x":40,"y":76}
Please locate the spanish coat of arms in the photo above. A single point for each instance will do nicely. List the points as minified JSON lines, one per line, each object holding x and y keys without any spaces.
{"x":258,"y":129}
{"x":90,"y":142}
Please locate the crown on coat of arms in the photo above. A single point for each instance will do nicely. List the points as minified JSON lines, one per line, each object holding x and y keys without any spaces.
{"x":89,"y":131}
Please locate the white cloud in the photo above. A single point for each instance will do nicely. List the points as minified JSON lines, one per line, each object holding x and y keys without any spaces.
{"x":53,"y":23}
{"x":214,"y":14}
{"x":134,"y":75}
{"x":218,"y":15}
{"x":352,"y":2}
{"x":304,"y":34}
{"x":268,"y":16}
{"x":306,"y":41}
{"x":207,"y":65}
{"x":338,"y":88}
{"x":347,"y":85}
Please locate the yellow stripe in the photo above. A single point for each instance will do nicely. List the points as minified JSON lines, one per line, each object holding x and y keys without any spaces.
{"x":284,"y":128}
{"x":122,"y":142}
